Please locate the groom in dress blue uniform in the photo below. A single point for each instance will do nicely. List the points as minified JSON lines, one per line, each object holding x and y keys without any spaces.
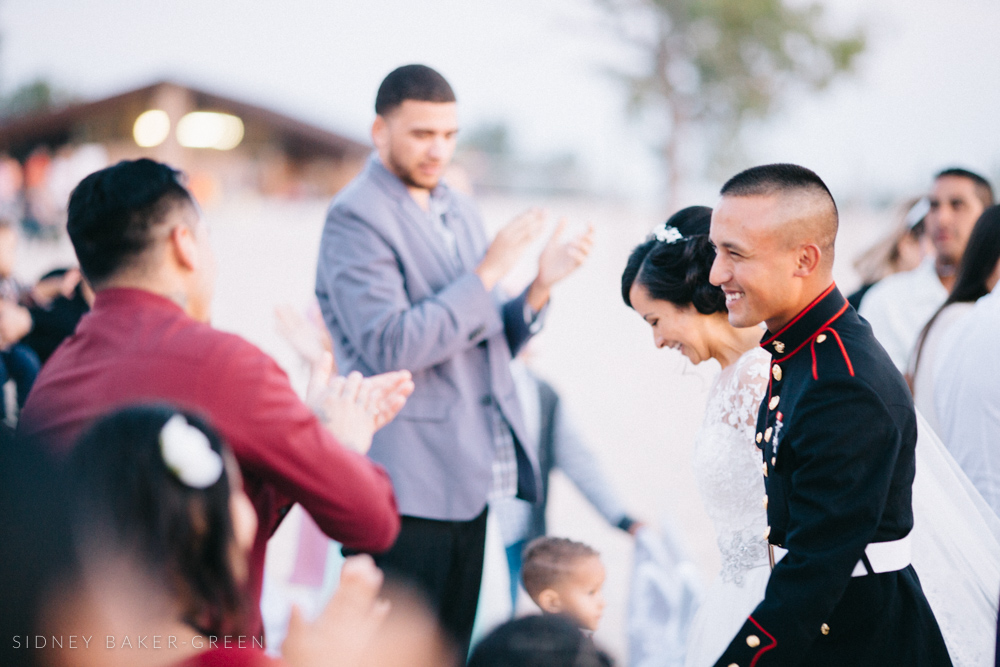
{"x":837,"y":431}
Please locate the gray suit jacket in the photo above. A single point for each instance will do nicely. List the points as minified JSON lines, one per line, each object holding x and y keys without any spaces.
{"x":393,"y":299}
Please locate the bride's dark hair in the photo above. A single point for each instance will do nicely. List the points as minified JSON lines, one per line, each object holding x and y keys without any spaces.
{"x":674,"y":265}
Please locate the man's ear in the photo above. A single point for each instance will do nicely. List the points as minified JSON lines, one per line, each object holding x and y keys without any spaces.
{"x":808,"y":259}
{"x":183,"y":246}
{"x":549,"y":602}
{"x":380,"y":132}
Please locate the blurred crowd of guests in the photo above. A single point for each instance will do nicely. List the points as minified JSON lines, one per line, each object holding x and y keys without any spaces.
{"x":34,"y":319}
{"x":33,"y":193}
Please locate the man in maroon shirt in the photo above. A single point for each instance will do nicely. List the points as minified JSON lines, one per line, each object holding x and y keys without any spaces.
{"x":142,"y":245}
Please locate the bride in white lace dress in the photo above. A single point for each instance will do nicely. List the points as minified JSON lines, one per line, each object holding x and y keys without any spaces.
{"x":956,"y":536}
{"x":666,"y":282}
{"x":727,"y":468}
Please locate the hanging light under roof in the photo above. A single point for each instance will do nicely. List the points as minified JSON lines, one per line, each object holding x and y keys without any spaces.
{"x":151,"y":128}
{"x":210,"y":129}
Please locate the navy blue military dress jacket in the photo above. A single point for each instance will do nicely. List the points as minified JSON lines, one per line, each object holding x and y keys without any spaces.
{"x":838,"y":433}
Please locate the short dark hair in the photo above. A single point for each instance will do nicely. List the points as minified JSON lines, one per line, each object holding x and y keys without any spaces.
{"x":538,"y":641}
{"x":546,"y":560}
{"x":984,"y":191}
{"x":676,"y":270}
{"x":112,"y":213}
{"x":411,"y":82}
{"x":771,"y":178}
{"x":126,"y":496}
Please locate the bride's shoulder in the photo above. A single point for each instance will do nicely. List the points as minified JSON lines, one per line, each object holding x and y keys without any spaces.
{"x":754,"y":365}
{"x":740,"y":394}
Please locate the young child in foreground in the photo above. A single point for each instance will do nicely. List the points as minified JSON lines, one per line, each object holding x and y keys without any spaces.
{"x":565,"y":577}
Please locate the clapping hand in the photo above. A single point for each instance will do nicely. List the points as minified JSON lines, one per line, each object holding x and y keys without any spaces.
{"x":345,"y":629}
{"x":354,"y":407}
{"x":389,"y":392}
{"x":559,"y":258}
{"x":508,"y":246}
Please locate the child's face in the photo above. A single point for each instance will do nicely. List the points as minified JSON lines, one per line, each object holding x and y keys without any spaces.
{"x":580,"y":593}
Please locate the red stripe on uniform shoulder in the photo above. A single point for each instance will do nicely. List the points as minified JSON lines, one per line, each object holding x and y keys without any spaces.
{"x":843,"y":351}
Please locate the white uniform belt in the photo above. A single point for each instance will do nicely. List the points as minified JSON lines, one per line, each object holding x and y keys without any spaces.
{"x":883,"y":556}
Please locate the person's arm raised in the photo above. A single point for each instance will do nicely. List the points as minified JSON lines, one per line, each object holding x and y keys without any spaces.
{"x":278,"y":439}
{"x":352,"y":408}
{"x":361,"y":282}
{"x":558,"y":260}
{"x":509,"y":245}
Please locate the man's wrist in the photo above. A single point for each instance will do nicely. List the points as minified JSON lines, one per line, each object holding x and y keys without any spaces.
{"x":487,"y":277}
{"x":538,"y":295}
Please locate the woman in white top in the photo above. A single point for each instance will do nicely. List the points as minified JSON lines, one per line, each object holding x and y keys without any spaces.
{"x":977,"y":275}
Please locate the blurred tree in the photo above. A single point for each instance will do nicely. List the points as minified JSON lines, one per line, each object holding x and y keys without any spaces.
{"x":707,"y":67}
{"x":493,"y":162}
{"x":32,"y":97}
{"x":492,"y":138}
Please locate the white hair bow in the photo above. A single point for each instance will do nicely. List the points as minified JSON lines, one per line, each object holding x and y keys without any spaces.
{"x":188,"y":454}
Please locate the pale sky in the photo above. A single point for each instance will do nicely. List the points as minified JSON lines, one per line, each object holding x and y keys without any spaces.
{"x":927,"y":95}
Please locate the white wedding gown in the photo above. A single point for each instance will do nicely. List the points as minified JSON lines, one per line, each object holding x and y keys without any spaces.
{"x":956,"y":549}
{"x":727,"y":468}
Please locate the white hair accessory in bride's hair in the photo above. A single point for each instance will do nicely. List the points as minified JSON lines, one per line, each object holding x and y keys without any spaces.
{"x":667,"y":234}
{"x":188,"y":454}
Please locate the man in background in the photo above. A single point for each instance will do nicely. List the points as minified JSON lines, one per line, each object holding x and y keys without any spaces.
{"x":899,"y":306}
{"x":407,"y":279}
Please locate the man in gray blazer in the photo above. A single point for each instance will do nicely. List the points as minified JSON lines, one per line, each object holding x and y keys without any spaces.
{"x":407,"y":280}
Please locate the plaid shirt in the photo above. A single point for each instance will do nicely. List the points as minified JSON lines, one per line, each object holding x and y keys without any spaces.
{"x":505,"y":459}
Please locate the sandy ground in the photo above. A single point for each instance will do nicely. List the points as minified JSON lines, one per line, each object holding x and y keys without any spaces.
{"x":638,"y":406}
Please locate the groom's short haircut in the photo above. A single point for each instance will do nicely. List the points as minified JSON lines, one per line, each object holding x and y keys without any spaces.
{"x":820,"y":216}
{"x":411,"y":82}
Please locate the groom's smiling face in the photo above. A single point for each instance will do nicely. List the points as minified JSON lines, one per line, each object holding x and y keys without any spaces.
{"x":755,"y":263}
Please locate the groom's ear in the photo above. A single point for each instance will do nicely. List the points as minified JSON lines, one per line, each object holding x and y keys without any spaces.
{"x":807,"y":260}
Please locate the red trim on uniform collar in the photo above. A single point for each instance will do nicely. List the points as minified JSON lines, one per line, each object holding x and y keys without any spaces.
{"x":798,"y":317}
{"x":813,"y":337}
{"x":774,"y":642}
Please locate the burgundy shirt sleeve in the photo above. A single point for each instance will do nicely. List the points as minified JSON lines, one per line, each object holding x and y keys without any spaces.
{"x":279,"y":440}
{"x":232,"y":657}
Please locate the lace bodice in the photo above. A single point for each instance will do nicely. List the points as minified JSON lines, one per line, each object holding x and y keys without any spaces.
{"x":727,"y":464}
